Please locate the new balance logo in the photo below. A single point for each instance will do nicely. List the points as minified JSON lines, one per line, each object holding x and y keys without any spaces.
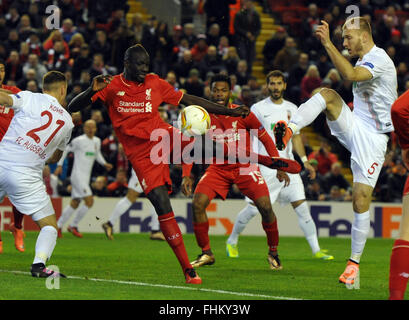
{"x":120,"y":93}
{"x":404,"y":274}
{"x":173,"y":237}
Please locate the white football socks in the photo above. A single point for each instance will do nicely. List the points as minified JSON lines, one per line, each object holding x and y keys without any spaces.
{"x":307,"y":225}
{"x":307,"y":112}
{"x":45,"y":244}
{"x":243,"y":218}
{"x":66,"y":214}
{"x":80,"y":214}
{"x":121,"y":207}
{"x":359,"y":234}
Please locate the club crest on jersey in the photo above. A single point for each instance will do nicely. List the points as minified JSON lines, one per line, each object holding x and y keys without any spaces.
{"x":120,"y":93}
{"x":148,"y":94}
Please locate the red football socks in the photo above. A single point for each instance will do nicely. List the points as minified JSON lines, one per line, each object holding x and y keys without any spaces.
{"x":18,"y":218}
{"x":173,"y":235}
{"x":399,"y":270}
{"x":202,"y":235}
{"x":271,"y":230}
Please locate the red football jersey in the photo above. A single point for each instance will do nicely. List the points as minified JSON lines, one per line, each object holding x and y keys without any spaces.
{"x":133,"y":107}
{"x":6,"y":114}
{"x":231,"y":130}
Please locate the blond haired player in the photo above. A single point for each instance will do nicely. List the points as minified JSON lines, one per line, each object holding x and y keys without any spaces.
{"x":363,"y":131}
{"x":38,"y":133}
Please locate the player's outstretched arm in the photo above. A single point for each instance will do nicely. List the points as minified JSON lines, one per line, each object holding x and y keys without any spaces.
{"x":83,"y":100}
{"x":344,"y":67}
{"x":215,"y":108}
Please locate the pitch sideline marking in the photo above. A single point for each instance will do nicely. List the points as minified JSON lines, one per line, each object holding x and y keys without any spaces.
{"x":168,"y":286}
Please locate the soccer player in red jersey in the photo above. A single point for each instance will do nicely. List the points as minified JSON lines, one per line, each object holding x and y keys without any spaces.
{"x":6,"y":114}
{"x":133,"y":98}
{"x":218,"y":178}
{"x":399,"y":265}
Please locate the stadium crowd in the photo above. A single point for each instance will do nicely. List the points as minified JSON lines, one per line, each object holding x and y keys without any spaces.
{"x":94,"y":35}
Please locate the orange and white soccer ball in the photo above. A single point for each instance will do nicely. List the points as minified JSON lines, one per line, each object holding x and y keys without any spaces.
{"x":194,"y":121}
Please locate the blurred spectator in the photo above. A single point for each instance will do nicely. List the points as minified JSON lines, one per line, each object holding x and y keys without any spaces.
{"x":335,"y":194}
{"x":314,"y":191}
{"x":194,"y":85}
{"x":403,"y":76}
{"x":103,"y":130}
{"x":334,"y":78}
{"x":183,"y":68}
{"x":30,"y":75}
{"x":162,"y":56}
{"x":401,"y":50}
{"x":335,"y":178}
{"x":323,"y":65}
{"x":396,"y":182}
{"x":12,"y":17}
{"x":35,"y":17}
{"x":324,"y":157}
{"x":54,"y":37}
{"x":310,"y":81}
{"x":311,"y":22}
{"x":101,"y":45}
{"x":68,"y":30}
{"x":384,"y":31}
{"x":199,"y":50}
{"x":24,"y":28}
{"x":179,"y":49}
{"x":188,"y":11}
{"x":247,"y":26}
{"x":296,"y":74}
{"x":75,"y":44}
{"x":98,"y":66}
{"x":235,"y":88}
{"x":13,"y":68}
{"x":55,"y":57}
{"x":223,"y":46}
{"x":34,"y":43}
{"x":211,"y":62}
{"x":4,"y":32}
{"x":122,"y":39}
{"x":213,"y":35}
{"x":119,"y":187}
{"x":81,"y":62}
{"x":149,"y":39}
{"x":255,"y":90}
{"x":242,"y":73}
{"x":287,"y":57}
{"x":13,"y":41}
{"x":99,"y":188}
{"x":137,"y":27}
{"x":32,"y":86}
{"x":271,"y":48}
{"x":231,"y":59}
{"x":218,"y":11}
{"x":189,"y":33}
{"x":172,"y":79}
{"x":177,"y":35}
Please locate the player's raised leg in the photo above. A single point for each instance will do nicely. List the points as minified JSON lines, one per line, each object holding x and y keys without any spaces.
{"x":160,"y":200}
{"x":66,"y":214}
{"x":326,"y":100}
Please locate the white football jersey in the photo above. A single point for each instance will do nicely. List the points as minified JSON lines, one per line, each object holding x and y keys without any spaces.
{"x":40,"y":126}
{"x":373,"y":99}
{"x":86,"y":151}
{"x":269,"y":113}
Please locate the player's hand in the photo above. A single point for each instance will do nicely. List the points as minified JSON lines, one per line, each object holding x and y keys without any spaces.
{"x":100,"y":82}
{"x":322,"y":33}
{"x":58,"y":170}
{"x":241,"y":111}
{"x":187,"y":186}
{"x":108,"y":166}
{"x":283,"y":176}
{"x":312,"y":174}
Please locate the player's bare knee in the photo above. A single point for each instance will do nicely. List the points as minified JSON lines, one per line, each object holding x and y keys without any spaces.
{"x":264,"y":207}
{"x":75,"y":203}
{"x":361,"y":201}
{"x":89,"y":202}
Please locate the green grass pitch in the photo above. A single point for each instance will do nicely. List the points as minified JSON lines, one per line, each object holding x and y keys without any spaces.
{"x":136,"y":268}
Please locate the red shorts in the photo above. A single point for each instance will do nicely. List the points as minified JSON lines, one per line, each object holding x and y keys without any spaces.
{"x":150,"y":159}
{"x":217,"y":181}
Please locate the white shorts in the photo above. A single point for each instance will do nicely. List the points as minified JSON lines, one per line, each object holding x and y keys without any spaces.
{"x":80,"y":189}
{"x":26,"y":192}
{"x":284,"y":195}
{"x":134,"y":183}
{"x":367,"y":148}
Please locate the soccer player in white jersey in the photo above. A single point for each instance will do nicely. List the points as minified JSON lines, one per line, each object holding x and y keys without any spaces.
{"x":38,"y":133}
{"x":363,"y":131}
{"x":269,"y":111}
{"x":123,"y":205}
{"x":86,"y":149}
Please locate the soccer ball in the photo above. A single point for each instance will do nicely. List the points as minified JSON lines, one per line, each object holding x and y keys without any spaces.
{"x":194,"y":121}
